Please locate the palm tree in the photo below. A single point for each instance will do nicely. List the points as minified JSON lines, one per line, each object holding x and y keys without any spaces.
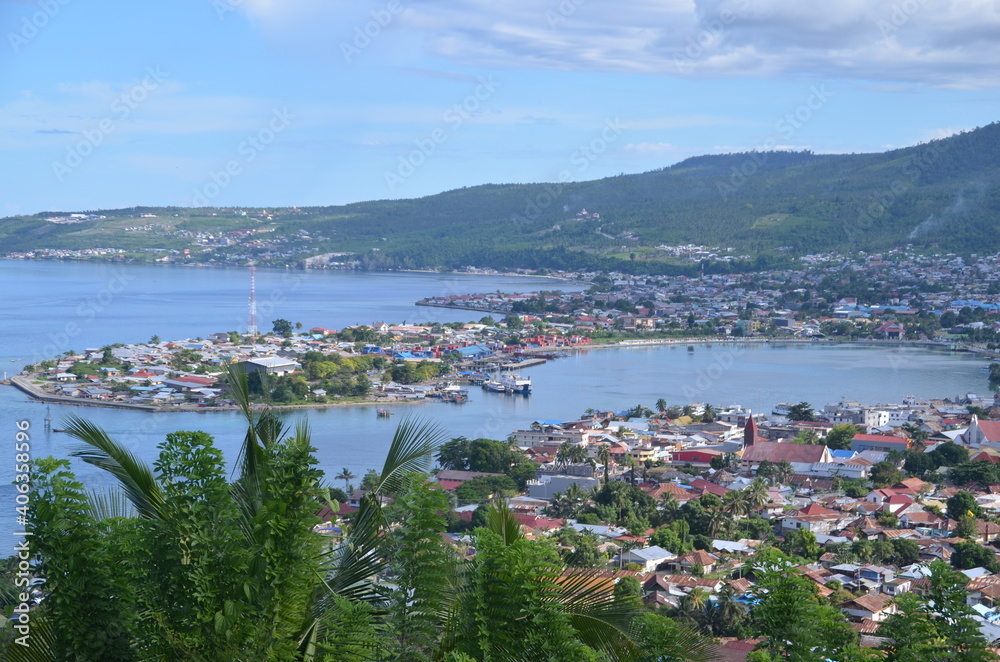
{"x":757,"y":494}
{"x":604,"y":455}
{"x":570,"y":454}
{"x":725,"y":613}
{"x":783,"y":470}
{"x":294,"y":600}
{"x":736,"y":504}
{"x":661,"y":405}
{"x":709,"y":414}
{"x":631,"y":463}
{"x":718,"y":521}
{"x":347,"y":477}
{"x":691,"y":607}
{"x":598,"y":618}
{"x":670,"y":507}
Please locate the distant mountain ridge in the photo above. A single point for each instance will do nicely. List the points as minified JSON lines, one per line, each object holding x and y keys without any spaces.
{"x":943,"y":194}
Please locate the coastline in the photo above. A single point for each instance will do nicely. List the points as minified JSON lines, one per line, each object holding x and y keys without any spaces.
{"x":34,"y":393}
{"x":466,"y":273}
{"x":286,"y":267}
{"x":654,"y":342}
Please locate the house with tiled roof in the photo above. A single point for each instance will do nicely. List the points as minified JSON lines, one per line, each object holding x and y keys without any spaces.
{"x":816,"y":518}
{"x":802,"y":457}
{"x":699,"y":557}
{"x":987,"y":531}
{"x":923,"y":519}
{"x":736,"y":650}
{"x":874,"y":606}
{"x":678,"y":492}
{"x":984,"y":590}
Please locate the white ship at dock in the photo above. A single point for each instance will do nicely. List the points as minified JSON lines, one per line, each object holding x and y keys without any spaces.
{"x":509,"y":384}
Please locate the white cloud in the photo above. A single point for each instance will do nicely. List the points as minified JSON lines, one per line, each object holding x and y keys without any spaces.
{"x":938,"y":42}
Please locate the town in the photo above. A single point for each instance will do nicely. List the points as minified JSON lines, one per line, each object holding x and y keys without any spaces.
{"x":678,"y":505}
{"x":896,"y":295}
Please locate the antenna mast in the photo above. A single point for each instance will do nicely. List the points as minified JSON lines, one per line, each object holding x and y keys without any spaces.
{"x":252,"y":330}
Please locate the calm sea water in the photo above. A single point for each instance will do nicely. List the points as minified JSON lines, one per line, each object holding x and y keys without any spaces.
{"x":52,"y":307}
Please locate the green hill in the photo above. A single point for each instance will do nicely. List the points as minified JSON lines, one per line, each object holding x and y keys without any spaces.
{"x":943,"y":194}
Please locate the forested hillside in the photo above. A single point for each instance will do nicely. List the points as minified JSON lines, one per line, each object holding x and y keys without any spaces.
{"x":765,"y":205}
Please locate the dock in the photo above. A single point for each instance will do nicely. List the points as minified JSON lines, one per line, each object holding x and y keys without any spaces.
{"x":526,"y":363}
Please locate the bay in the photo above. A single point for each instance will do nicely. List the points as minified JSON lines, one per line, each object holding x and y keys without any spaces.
{"x":52,"y":307}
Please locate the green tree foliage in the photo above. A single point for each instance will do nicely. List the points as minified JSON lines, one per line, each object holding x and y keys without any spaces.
{"x":801,"y":542}
{"x":808,"y":437}
{"x":282,"y":327}
{"x":426,"y":572}
{"x":973,"y":555}
{"x":796,"y":625}
{"x":949,"y":454}
{"x":938,"y":626}
{"x":840,"y":436}
{"x":885,"y":474}
{"x":674,"y":537}
{"x":484,"y":488}
{"x":617,"y":502}
{"x":966,"y":528}
{"x":486,"y":455}
{"x":79,"y":557}
{"x":407,"y":372}
{"x":579,"y":550}
{"x":197,"y":540}
{"x":974,"y":472}
{"x":801,"y":411}
{"x":963,"y":504}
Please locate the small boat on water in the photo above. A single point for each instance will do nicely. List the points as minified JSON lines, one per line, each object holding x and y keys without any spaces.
{"x":383,"y":413}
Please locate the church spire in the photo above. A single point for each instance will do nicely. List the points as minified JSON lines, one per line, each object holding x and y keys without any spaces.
{"x":750,"y":432}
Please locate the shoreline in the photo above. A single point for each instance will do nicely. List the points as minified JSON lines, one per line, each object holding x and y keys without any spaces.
{"x":466,"y":273}
{"x":22,"y":384}
{"x":656,"y":342}
{"x":34,"y":393}
{"x":286,"y":267}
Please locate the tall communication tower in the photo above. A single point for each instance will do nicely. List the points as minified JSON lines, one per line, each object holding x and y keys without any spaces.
{"x":252,"y":330}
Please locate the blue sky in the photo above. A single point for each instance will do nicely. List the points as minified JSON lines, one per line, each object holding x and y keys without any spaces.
{"x":310,"y":102}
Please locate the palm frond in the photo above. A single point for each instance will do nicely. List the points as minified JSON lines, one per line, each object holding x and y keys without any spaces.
{"x":352,"y":564}
{"x":687,"y":644}
{"x":502,"y":522}
{"x":42,"y":643}
{"x":109,"y":504}
{"x":135,"y":476}
{"x":239,"y":390}
{"x":411,"y":451}
{"x":601,"y":621}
